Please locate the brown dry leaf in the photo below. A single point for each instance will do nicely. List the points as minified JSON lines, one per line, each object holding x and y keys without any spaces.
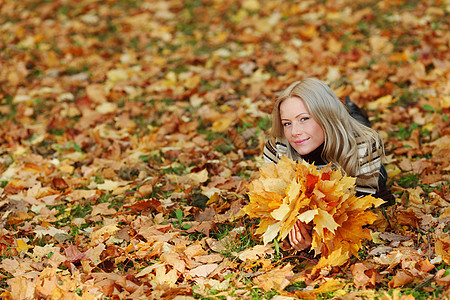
{"x":174,"y":260}
{"x":441,"y":279}
{"x":203,"y":270}
{"x":442,"y":247}
{"x":102,"y":209}
{"x":360,"y":279}
{"x":191,"y":179}
{"x":209,"y":259}
{"x":221,"y":245}
{"x":194,"y":250}
{"x":94,"y":253}
{"x":276,"y":279}
{"x":73,"y":254}
{"x":237,"y":139}
{"x":115,"y":100}
{"x":401,"y":278}
{"x":102,"y":234}
{"x":204,"y":227}
{"x":78,"y":195}
{"x":10,"y":265}
{"x":96,"y":92}
{"x":146,"y":204}
{"x":21,"y":288}
{"x":50,"y":285}
{"x":163,"y":278}
{"x":255,"y":253}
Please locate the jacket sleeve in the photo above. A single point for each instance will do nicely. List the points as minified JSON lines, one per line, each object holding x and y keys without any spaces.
{"x":372,"y":177}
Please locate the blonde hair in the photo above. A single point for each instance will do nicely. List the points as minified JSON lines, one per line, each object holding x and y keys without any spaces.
{"x":340,"y":128}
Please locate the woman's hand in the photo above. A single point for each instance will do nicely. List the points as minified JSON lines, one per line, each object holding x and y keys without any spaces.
{"x":300,"y":236}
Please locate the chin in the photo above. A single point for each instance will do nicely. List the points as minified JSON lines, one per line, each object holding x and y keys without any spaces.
{"x":303,"y":151}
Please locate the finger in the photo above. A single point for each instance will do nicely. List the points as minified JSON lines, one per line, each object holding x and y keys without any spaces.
{"x":304,"y":231}
{"x":291,"y":237}
{"x":295,"y":238}
{"x":299,"y":242}
{"x":306,"y":236}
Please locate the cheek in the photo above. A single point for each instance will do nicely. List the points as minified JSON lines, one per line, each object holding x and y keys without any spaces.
{"x":318,"y":131}
{"x":321,"y":134}
{"x":286,"y":131}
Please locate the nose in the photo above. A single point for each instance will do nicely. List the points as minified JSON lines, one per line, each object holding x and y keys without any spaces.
{"x":296,"y":129}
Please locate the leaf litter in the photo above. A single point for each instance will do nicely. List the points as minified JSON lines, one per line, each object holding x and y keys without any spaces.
{"x":115,"y":116}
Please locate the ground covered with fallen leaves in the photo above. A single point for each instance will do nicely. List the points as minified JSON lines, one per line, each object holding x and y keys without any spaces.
{"x":131,"y":130}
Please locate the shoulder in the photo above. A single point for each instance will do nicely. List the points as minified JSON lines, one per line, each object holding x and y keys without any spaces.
{"x":274,"y":149}
{"x":369,"y":146}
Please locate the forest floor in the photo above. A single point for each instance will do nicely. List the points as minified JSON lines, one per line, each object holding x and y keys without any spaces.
{"x":131,"y":131}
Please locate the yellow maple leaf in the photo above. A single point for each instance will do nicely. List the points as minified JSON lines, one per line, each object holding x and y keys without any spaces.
{"x":323,"y":220}
{"x":336,"y":258}
{"x":22,"y":245}
{"x":281,"y":212}
{"x":329,"y":286}
{"x":271,"y":232}
{"x":221,"y":125}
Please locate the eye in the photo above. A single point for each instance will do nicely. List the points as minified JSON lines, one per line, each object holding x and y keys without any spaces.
{"x":286,"y":124}
{"x":304,"y":119}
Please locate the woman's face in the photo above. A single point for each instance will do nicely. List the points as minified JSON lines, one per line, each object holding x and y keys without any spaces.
{"x":301,"y":130}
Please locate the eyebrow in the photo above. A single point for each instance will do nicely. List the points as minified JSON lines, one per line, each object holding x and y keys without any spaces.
{"x":303,"y":113}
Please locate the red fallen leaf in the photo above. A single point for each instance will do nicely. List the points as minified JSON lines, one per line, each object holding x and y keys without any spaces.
{"x":146,"y":204}
{"x":59,"y":184}
{"x":332,"y":204}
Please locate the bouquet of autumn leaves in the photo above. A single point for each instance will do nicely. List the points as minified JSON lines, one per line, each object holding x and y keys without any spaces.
{"x":289,"y":191}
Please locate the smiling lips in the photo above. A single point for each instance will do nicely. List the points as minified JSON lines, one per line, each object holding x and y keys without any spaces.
{"x":300,"y":142}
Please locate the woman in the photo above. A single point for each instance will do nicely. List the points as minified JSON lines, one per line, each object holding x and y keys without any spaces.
{"x":311,"y":123}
